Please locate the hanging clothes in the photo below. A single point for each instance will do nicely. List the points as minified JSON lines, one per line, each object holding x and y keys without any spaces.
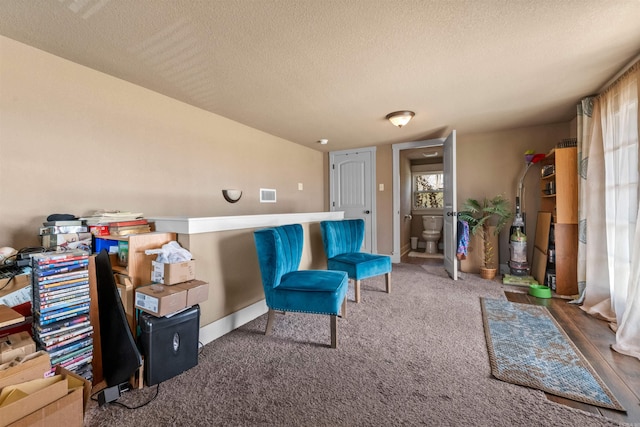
{"x":463,"y":240}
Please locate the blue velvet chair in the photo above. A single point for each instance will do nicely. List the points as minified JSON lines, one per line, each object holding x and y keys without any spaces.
{"x":342,"y":242}
{"x":288,"y":289}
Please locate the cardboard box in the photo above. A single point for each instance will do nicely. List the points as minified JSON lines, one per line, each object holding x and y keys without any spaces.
{"x":197,"y":291}
{"x":31,"y":367}
{"x":170,"y":274}
{"x":19,"y":400}
{"x":16,"y":345}
{"x":67,"y":410}
{"x":125,"y":290}
{"x":160,"y":300}
{"x":99,"y":230}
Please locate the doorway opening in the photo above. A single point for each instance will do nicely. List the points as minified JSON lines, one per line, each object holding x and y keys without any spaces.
{"x":403,"y":198}
{"x":418,"y":170}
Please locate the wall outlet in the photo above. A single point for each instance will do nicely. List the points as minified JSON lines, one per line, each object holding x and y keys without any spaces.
{"x":381,"y":187}
{"x":300,"y":186}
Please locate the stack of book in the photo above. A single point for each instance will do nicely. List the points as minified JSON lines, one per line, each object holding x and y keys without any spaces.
{"x":116,"y":223}
{"x":105,"y":217}
{"x":60,"y":304}
{"x":123,"y":228}
{"x":65,"y":235}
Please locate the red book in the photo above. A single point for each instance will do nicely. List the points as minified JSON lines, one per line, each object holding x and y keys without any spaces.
{"x":128,"y":223}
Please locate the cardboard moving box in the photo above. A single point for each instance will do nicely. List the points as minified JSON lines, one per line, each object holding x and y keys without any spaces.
{"x":170,"y":274}
{"x":67,"y":410}
{"x":197,"y":291}
{"x":19,"y":400}
{"x":16,"y":345}
{"x":27,"y":368}
{"x":160,"y":300}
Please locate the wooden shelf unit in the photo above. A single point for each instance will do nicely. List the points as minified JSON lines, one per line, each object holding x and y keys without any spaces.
{"x":138,"y":266}
{"x":563,"y":206}
{"x":138,"y":270}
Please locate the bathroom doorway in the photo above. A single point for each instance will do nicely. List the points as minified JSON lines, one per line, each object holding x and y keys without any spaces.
{"x":427,"y":203}
{"x":423,"y":157}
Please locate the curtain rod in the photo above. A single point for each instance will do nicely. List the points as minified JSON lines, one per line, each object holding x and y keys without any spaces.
{"x":619,"y":74}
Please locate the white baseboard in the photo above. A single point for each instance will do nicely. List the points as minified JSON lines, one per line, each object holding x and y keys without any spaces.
{"x":223,"y":326}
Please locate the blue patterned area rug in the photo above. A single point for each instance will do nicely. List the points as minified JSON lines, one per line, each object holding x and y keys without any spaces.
{"x":528,"y":347}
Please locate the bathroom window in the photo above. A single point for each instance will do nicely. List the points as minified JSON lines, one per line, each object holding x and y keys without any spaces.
{"x":428,"y":190}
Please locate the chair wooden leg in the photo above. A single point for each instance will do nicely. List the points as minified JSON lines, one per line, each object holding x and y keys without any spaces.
{"x":334,"y":331}
{"x":357,"y":289}
{"x":388,"y":280}
{"x":343,"y":310}
{"x":270,"y":317}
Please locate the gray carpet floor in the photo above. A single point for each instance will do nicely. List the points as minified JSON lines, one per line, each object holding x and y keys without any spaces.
{"x":417,"y":356}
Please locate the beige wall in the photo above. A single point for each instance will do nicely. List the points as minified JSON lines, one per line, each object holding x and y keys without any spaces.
{"x":491,"y":163}
{"x":487,"y":164}
{"x":384,"y":216}
{"x":234,"y":281}
{"x":73,"y":140}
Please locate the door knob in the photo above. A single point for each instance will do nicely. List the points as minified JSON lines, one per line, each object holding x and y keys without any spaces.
{"x":367,"y":212}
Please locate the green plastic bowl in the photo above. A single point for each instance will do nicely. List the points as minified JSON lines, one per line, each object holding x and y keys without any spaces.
{"x":539,"y":291}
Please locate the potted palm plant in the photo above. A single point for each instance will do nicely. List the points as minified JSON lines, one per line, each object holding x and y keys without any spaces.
{"x":481,"y":216}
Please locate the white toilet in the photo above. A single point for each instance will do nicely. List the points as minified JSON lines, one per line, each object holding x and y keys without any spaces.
{"x":432,"y":225}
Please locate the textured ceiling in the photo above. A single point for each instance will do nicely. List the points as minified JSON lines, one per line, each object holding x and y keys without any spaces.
{"x":311,"y":69}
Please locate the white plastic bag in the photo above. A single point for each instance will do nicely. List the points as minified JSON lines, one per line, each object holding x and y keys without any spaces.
{"x":170,"y":253}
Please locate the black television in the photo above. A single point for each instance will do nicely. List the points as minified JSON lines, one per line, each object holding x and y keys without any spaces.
{"x":121,"y":357}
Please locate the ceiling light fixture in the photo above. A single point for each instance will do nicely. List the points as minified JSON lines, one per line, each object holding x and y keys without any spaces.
{"x":323,"y":141}
{"x":432,"y":154}
{"x":400,"y":118}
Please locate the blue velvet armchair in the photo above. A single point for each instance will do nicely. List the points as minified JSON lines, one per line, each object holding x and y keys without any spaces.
{"x":288,"y":289}
{"x":342,"y":242}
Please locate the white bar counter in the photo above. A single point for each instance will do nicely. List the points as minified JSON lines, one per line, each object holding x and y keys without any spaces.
{"x":225,"y":254}
{"x":188,"y":225}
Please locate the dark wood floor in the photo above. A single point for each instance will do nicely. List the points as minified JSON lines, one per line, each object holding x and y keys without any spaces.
{"x":593,"y":338}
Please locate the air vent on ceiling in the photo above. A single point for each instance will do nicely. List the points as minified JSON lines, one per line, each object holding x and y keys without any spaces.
{"x":267,"y":195}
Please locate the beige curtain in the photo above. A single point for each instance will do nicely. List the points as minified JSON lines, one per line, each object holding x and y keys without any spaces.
{"x":585,"y":125}
{"x":612,"y":264}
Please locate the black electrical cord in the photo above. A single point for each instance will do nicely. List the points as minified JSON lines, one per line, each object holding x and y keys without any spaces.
{"x":141,"y":405}
{"x":17,"y":270}
{"x":93,"y":397}
{"x":13,"y":274}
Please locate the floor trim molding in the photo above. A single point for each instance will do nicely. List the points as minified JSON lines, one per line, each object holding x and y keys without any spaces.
{"x":223,"y":326}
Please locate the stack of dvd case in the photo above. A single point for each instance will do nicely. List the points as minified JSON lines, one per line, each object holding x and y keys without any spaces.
{"x":61,"y":325}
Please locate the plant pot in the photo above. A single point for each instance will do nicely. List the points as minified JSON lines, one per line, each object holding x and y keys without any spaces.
{"x":488,"y":273}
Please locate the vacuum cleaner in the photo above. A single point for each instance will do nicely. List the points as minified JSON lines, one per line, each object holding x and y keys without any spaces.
{"x":518,"y":265}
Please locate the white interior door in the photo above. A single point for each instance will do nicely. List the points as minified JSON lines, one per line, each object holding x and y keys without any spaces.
{"x":450,"y":206}
{"x":352,"y":189}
